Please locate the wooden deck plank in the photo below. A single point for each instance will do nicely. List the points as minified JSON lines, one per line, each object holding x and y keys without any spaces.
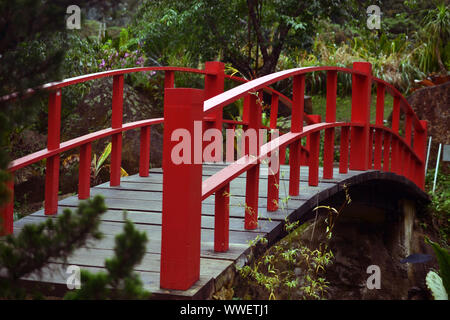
{"x":141,"y":197}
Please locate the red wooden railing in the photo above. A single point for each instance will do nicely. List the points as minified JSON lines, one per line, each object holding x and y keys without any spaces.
{"x":363,"y":146}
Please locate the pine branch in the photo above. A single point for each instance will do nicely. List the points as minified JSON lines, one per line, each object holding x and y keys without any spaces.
{"x":36,"y":245}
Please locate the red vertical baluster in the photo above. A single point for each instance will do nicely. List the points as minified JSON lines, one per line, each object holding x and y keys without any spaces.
{"x":116,"y":122}
{"x":222,"y":219}
{"x":273,"y":177}
{"x":282,"y":155}
{"x":370,"y":147}
{"x":252,"y":179}
{"x":386,"y":152}
{"x":144,"y":155}
{"x":361,"y":88}
{"x":313,"y":178}
{"x":395,"y":143}
{"x":53,"y":140}
{"x":408,"y":128}
{"x":7,"y":210}
{"x":328,"y":148}
{"x":298,"y":101}
{"x":420,"y":142}
{"x":181,"y":214}
{"x":214,"y":84}
{"x":343,"y":150}
{"x":169,"y":79}
{"x":379,"y":121}
{"x":84,"y":175}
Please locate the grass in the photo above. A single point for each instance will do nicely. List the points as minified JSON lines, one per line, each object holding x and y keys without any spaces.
{"x":343,"y":107}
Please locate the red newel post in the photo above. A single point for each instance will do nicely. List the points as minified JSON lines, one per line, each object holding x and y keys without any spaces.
{"x":214,"y":84}
{"x":222,"y":219}
{"x":314,"y":149}
{"x":52,"y":165}
{"x":144,"y":154}
{"x":116,"y":122}
{"x":273,"y":177}
{"x":386,"y":152}
{"x":379,"y":121}
{"x":395,"y":149}
{"x":328,"y":148}
{"x":7,"y":210}
{"x":84,"y":174}
{"x":298,"y":103}
{"x":252,"y":179}
{"x":182,"y":189}
{"x":343,"y":150}
{"x":359,"y":139}
{"x":420,"y":143}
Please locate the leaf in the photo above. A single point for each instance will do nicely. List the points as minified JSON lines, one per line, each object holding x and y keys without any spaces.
{"x":443,"y":258}
{"x":436,"y":286}
{"x":123,"y":173}
{"x":104,"y":155}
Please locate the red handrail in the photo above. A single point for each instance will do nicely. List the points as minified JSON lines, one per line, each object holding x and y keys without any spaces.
{"x":369,"y":145}
{"x":55,"y":147}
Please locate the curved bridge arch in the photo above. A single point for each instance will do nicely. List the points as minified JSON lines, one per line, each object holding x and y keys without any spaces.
{"x":363,"y":146}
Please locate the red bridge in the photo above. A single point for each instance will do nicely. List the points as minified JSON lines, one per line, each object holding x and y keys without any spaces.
{"x":200,"y":217}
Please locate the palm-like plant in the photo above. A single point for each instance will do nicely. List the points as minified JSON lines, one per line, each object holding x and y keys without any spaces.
{"x":436,"y":28}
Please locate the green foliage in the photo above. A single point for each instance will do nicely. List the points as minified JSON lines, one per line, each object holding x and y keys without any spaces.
{"x":434,"y":283}
{"x":37,"y":244}
{"x":291,"y":269}
{"x":119,"y":282}
{"x":435,"y":53}
{"x":443,"y":257}
{"x":248,"y":34}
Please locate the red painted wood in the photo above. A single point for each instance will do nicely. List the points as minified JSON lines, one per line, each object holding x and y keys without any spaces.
{"x":252,"y":179}
{"x":222,"y":219}
{"x":386,"y":152}
{"x":381,"y":89}
{"x":328,"y":154}
{"x":181,"y":215}
{"x":273,"y":178}
{"x":298,"y":101}
{"x":7,"y":210}
{"x":408,"y":129}
{"x":169,"y":79}
{"x":214,"y":85}
{"x":420,"y":142}
{"x":378,"y":149}
{"x":343,"y":150}
{"x":361,"y":88}
{"x":51,"y":185}
{"x":116,"y":122}
{"x":395,"y":155}
{"x":52,"y":164}
{"x":379,"y":120}
{"x":274,"y":111}
{"x":84,"y":175}
{"x":144,"y":154}
{"x":77,"y":142}
{"x":396,"y":114}
{"x":370,"y":149}
{"x":282,"y":155}
{"x":328,"y":148}
{"x":313,"y":178}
